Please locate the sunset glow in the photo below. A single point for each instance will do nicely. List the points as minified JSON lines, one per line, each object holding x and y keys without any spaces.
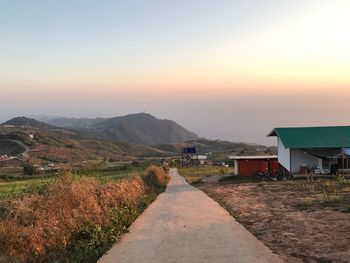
{"x":165,"y":49}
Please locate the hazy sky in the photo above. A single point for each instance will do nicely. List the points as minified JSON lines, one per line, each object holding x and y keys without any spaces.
{"x":224,"y":69}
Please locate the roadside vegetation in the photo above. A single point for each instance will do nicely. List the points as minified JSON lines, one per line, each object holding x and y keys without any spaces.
{"x":76,"y":216}
{"x":194,"y":174}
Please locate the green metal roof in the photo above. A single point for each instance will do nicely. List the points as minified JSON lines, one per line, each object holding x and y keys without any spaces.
{"x":313,"y":137}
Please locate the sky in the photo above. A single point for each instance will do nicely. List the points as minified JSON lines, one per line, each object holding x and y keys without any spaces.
{"x":224,"y":69}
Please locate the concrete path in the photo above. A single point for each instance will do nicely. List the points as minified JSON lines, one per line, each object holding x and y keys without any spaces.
{"x":185,"y":225}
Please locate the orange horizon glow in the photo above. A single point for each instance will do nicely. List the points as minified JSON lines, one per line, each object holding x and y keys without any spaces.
{"x":301,"y":52}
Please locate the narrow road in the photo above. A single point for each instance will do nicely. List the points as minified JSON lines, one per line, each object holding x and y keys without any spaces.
{"x":185,"y":225}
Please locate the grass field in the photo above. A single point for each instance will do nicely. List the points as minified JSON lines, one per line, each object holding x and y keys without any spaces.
{"x":194,"y":174}
{"x":14,"y":184}
{"x":10,"y":189}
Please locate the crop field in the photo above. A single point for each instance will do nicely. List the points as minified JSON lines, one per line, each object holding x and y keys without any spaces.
{"x":9,"y":189}
{"x":14,"y":184}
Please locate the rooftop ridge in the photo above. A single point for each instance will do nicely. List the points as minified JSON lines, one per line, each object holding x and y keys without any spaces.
{"x":313,"y":137}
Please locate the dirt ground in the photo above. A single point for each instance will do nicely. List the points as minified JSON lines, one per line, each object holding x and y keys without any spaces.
{"x":291,"y":218}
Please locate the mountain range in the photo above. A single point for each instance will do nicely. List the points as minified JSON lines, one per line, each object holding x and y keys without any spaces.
{"x":140,"y":128}
{"x":49,"y":143}
{"x":110,"y":139}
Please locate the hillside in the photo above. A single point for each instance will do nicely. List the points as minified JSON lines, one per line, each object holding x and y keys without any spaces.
{"x":24,"y":121}
{"x":77,"y":123}
{"x":141,"y":128}
{"x":10,"y":148}
{"x":49,"y":143}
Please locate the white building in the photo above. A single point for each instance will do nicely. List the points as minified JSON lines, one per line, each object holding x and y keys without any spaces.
{"x":202,"y":159}
{"x":322,"y":150}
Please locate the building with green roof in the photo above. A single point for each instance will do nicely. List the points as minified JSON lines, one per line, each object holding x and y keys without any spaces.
{"x":313,"y":149}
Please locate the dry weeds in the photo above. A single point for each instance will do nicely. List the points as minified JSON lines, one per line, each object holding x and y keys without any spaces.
{"x":34,"y":226}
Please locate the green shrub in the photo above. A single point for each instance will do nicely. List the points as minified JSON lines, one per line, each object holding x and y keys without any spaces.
{"x":4,"y":176}
{"x":333,"y":201}
{"x":28,"y":169}
{"x":346,"y":210}
{"x":306,"y":204}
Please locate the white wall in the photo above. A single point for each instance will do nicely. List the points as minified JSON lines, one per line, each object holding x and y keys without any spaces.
{"x":235,"y":168}
{"x":283,"y":155}
{"x":299,"y":157}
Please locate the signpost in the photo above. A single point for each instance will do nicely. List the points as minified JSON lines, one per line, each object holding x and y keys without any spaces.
{"x":189,"y":156}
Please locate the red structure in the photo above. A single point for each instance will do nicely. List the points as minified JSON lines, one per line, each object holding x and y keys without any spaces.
{"x":248,"y":165}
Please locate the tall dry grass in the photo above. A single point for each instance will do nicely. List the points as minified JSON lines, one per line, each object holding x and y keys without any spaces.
{"x":48,"y":227}
{"x":156,"y":176}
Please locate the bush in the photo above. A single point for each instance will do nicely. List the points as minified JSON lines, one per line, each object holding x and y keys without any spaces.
{"x":155,"y":177}
{"x":4,"y":176}
{"x":28,"y":169}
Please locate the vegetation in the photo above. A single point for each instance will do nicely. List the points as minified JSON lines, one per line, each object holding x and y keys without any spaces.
{"x":156,"y":177}
{"x":68,"y":146}
{"x":21,"y":188}
{"x":14,"y":184}
{"x":28,"y":169}
{"x":10,"y":147}
{"x":194,"y":174}
{"x":331,"y":190}
{"x":88,"y":218}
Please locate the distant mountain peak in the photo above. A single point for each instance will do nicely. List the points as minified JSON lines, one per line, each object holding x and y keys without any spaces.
{"x":24,"y":121}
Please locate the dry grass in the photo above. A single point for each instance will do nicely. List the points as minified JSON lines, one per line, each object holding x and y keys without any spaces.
{"x":34,"y":228}
{"x":156,"y":176}
{"x":298,"y":224}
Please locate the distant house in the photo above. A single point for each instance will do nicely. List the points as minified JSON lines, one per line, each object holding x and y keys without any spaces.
{"x":248,"y":165}
{"x":200,"y":159}
{"x":320,"y":150}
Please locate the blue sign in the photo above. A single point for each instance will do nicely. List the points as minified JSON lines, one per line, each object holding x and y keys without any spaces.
{"x":189,"y":150}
